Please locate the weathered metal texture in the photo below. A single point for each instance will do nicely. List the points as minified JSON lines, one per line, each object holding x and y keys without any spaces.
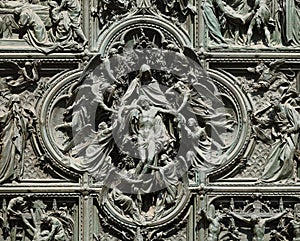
{"x":149,"y":120}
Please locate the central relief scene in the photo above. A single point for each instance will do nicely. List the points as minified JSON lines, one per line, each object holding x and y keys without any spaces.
{"x":145,"y":122}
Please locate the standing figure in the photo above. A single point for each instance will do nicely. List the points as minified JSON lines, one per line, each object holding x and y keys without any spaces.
{"x":277,"y":17}
{"x":60,"y":31}
{"x":210,"y":9}
{"x":74,"y":9}
{"x":15,"y":125}
{"x":292,"y":22}
{"x":200,"y":149}
{"x":82,"y":111}
{"x":216,"y":13}
{"x":234,"y":29}
{"x":285,"y":132}
{"x":261,"y":20}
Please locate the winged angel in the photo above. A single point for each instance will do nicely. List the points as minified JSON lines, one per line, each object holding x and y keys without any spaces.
{"x":141,"y":123}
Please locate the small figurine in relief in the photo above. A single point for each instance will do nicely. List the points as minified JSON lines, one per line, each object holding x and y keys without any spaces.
{"x":284,"y":120}
{"x":214,"y":228}
{"x":15,"y":126}
{"x":258,"y":223}
{"x":73,"y":7}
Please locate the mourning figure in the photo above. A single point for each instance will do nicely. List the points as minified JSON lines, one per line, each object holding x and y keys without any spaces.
{"x":73,"y":8}
{"x":16,"y":124}
{"x":214,"y":228}
{"x":285,"y":122}
{"x":47,"y":26}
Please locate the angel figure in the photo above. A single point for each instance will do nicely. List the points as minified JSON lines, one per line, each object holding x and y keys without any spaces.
{"x":269,"y":76}
{"x":24,"y":77}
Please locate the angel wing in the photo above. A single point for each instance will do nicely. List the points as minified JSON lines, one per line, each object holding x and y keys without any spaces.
{"x":188,"y":52}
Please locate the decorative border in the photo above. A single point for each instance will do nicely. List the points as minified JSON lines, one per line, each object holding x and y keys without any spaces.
{"x":60,"y":83}
{"x":108,"y":36}
{"x":243,"y":105}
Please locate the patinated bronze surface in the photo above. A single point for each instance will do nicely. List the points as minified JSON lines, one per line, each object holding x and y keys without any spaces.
{"x":149,"y":120}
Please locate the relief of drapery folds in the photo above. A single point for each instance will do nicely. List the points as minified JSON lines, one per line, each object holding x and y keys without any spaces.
{"x":46,"y":25}
{"x":252,"y":23}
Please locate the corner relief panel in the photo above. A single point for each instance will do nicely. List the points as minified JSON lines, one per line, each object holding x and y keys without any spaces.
{"x":239,"y":217}
{"x":272,"y":90}
{"x":22,"y":86}
{"x":36,"y":217}
{"x":43,"y":26}
{"x":250,"y":25}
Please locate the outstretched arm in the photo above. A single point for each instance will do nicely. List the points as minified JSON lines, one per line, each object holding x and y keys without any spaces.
{"x":4,"y":10}
{"x":167,"y":111}
{"x":279,"y":215}
{"x":246,"y":220}
{"x":152,"y":167}
{"x":186,"y":97}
